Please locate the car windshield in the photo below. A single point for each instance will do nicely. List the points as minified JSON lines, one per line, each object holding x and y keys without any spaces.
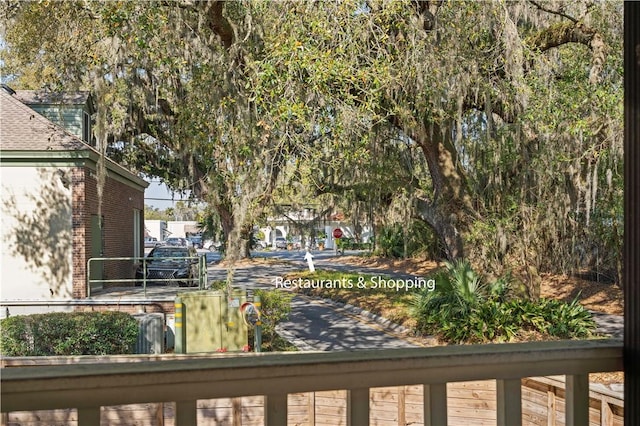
{"x":169,"y":252}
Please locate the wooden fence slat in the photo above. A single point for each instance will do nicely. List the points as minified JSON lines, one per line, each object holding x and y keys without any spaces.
{"x":551,"y":408}
{"x":402,"y":414}
{"x":236,"y":411}
{"x":312,"y":408}
{"x":606,"y":414}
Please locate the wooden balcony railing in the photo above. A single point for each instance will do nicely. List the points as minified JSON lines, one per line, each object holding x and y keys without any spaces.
{"x":89,"y":386}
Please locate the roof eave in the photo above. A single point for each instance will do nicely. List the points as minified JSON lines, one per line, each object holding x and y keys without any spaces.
{"x":68,"y":158}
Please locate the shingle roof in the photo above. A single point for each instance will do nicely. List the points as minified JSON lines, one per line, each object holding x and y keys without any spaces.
{"x":23,"y":129}
{"x":31,"y":97}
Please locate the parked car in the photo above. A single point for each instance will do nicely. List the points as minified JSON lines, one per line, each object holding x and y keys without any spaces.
{"x":196,"y":241}
{"x":281,"y":243}
{"x":169,"y":265}
{"x":150,"y":242}
{"x":258,"y":245}
{"x":176,"y":241}
{"x":212,"y":245}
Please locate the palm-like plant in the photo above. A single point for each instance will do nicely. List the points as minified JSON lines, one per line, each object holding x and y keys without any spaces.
{"x":458,"y":288}
{"x":458,"y":291}
{"x":462,"y":308}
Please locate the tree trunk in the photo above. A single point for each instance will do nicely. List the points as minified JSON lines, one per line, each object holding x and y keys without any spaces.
{"x":237,"y":242}
{"x":446,"y":229}
{"x":449,"y":211}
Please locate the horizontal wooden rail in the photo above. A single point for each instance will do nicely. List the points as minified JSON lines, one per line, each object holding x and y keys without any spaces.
{"x":88,"y":386}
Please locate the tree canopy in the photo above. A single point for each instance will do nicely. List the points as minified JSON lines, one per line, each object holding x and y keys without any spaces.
{"x":497,"y":124}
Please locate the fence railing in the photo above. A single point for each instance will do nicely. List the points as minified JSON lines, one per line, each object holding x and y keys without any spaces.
{"x":87,"y":387}
{"x":197,"y":277}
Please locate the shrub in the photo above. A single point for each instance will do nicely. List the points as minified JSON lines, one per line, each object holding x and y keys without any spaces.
{"x":60,"y":333}
{"x":464,"y":310}
{"x":346,"y":243}
{"x":407,"y":240}
{"x":275,"y":306}
{"x":390,"y":241}
{"x":553,"y":317}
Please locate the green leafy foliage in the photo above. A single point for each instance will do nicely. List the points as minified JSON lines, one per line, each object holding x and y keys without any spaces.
{"x":345,"y":243}
{"x":275,"y":306}
{"x":80,"y":333}
{"x":390,"y":242}
{"x":400,"y":240}
{"x":503,"y":120}
{"x":464,"y":310}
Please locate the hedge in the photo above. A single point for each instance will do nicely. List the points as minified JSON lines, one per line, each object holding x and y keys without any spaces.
{"x":74,"y":333}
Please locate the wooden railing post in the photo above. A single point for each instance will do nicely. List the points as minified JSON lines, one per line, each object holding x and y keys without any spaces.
{"x":509,"y":402}
{"x":358,"y":407}
{"x":186,"y":413}
{"x":275,"y":409}
{"x":88,"y":416}
{"x":577,"y":400}
{"x":435,"y":404}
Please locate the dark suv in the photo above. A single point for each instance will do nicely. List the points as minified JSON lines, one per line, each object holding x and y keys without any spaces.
{"x":170,"y":265}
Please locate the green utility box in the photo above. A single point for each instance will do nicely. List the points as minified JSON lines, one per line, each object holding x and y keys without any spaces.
{"x":210,"y":321}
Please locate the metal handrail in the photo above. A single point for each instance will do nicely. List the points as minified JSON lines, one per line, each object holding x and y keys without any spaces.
{"x":201,"y":278}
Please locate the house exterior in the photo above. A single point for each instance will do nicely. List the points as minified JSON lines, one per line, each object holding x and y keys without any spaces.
{"x":62,"y":203}
{"x":156,"y":228}
{"x":293,"y":224}
{"x":163,"y":229}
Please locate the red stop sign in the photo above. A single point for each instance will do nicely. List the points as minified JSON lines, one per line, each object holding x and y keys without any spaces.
{"x":337,"y":233}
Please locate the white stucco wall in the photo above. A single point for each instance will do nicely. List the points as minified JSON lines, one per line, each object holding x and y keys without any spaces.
{"x":156,"y":228}
{"x":176,"y":228}
{"x":35,"y":233}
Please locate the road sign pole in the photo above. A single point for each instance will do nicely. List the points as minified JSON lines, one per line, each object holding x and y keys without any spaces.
{"x":337,"y":234}
{"x":257,"y":341}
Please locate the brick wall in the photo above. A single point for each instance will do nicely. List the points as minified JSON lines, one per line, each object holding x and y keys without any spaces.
{"x":81,"y":226}
{"x":119,"y":201}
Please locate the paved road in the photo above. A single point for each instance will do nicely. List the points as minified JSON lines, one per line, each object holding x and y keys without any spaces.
{"x":609,"y":325}
{"x":318,"y":325}
{"x":315,"y":324}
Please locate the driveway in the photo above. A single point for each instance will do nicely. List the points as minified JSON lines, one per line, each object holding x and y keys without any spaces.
{"x":314,"y":324}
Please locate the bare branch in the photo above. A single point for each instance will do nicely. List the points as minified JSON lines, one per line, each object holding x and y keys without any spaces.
{"x":553,"y":12}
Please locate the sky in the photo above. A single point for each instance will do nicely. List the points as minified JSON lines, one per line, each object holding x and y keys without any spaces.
{"x":159,"y":196}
